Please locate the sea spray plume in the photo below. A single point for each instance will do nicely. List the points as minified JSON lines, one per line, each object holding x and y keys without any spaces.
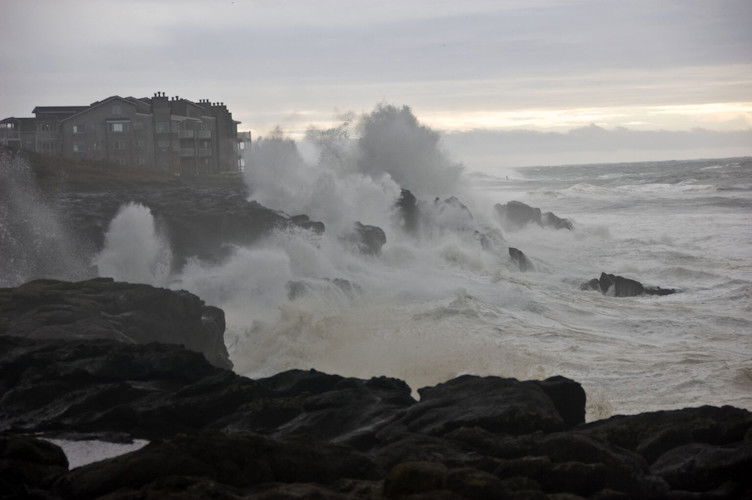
{"x":330,"y":190}
{"x":33,"y":242}
{"x":134,"y":250}
{"x":393,"y":141}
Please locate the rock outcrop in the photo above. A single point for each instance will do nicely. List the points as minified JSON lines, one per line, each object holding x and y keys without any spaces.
{"x":618,"y":286}
{"x":520,"y":259}
{"x":516,"y":215}
{"x":306,"y":434}
{"x":367,"y":239}
{"x":103,"y":308}
{"x":407,"y":209}
{"x":197,"y":221}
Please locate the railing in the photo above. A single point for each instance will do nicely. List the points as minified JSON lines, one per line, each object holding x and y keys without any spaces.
{"x":187,"y":151}
{"x":203,"y":152}
{"x":185,"y":134}
{"x":204,"y":134}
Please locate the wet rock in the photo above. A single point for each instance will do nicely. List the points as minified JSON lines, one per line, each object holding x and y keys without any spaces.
{"x":702,"y":467}
{"x":367,"y":239}
{"x":239,"y":460}
{"x":203,"y":221}
{"x":618,"y":286}
{"x":520,"y":259}
{"x":307,"y":434}
{"x":407,"y":208}
{"x":409,"y":478}
{"x":28,"y":466}
{"x":516,"y":215}
{"x":306,"y":223}
{"x":652,"y":434}
{"x":103,"y":308}
{"x":492,"y":403}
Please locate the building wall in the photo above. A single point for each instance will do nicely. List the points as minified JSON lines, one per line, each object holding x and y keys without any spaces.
{"x":177,"y":134}
{"x":111,"y":131}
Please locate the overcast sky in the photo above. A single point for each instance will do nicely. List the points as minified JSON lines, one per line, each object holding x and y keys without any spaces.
{"x":472,"y":68}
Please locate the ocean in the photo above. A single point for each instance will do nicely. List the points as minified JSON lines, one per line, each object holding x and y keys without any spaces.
{"x":430,"y":308}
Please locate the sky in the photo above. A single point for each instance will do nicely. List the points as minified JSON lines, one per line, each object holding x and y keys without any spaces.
{"x":572,"y":81}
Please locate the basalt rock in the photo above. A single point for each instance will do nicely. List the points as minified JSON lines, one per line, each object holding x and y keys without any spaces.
{"x":307,"y":434}
{"x":520,"y":259}
{"x":618,"y":286}
{"x":516,"y":215}
{"x":103,"y":308}
{"x":306,"y":223}
{"x":28,"y":467}
{"x":367,"y":239}
{"x":407,"y":207}
{"x":201,"y":221}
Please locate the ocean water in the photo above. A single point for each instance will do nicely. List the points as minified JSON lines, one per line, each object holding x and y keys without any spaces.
{"x":437,"y":306}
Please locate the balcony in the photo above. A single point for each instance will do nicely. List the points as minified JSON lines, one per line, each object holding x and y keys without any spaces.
{"x":185,"y":134}
{"x":186,"y":152}
{"x":204,"y":152}
{"x":204,"y":134}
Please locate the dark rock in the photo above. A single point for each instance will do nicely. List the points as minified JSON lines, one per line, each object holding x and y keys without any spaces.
{"x":520,"y":259}
{"x":516,"y":215}
{"x":203,"y":221}
{"x":702,"y":467}
{"x":568,"y":397}
{"x":103,"y":308}
{"x":548,"y":219}
{"x":496,"y":404}
{"x":653,"y":434}
{"x":618,"y":286}
{"x":307,"y":434}
{"x":306,"y":223}
{"x":239,"y":460}
{"x":407,"y":206}
{"x":414,"y":477}
{"x":367,"y":239}
{"x":474,"y":483}
{"x":28,"y":466}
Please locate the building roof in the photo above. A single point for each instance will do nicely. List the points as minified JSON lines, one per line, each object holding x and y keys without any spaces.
{"x":58,"y":109}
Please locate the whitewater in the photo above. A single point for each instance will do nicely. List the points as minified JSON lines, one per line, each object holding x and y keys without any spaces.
{"x":432,"y":309}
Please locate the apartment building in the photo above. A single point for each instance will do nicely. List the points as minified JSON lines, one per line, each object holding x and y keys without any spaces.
{"x":163,"y":132}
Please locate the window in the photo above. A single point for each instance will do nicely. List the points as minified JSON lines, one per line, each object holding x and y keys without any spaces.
{"x":140,"y":144}
{"x":116,"y":109}
{"x":77,"y":148}
{"x":117,"y":127}
{"x":163,"y":143}
{"x":163,"y":127}
{"x":242,"y":146}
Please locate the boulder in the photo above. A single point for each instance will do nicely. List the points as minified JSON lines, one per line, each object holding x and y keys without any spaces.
{"x":516,"y":215}
{"x":367,"y":239}
{"x":28,"y":466}
{"x":306,"y":223}
{"x":239,"y":460}
{"x":519,"y":258}
{"x":103,"y":308}
{"x":496,"y":404}
{"x":407,"y":208}
{"x":618,"y":286}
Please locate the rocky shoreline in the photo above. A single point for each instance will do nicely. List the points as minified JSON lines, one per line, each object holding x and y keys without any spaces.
{"x":307,"y":434}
